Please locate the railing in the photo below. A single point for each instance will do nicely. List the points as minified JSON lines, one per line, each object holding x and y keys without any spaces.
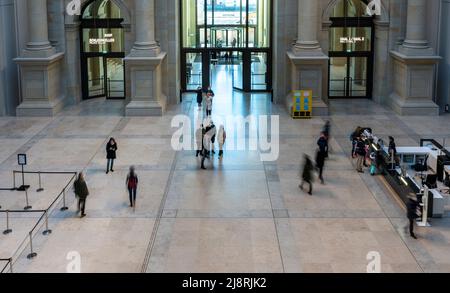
{"x":8,"y":264}
{"x":43,"y":219}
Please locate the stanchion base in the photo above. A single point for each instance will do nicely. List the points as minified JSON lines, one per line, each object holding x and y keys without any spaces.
{"x":28,"y":208}
{"x":46,"y":232}
{"x":6,"y":232}
{"x":40,"y":190}
{"x":32,"y":255}
{"x":64,"y":209}
{"x":23,"y":187}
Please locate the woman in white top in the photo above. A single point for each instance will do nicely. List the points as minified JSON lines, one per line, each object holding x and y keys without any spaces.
{"x":221,"y":138}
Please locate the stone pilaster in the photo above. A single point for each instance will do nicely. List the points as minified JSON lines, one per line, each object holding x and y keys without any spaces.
{"x":144,"y":64}
{"x":40,"y":67}
{"x":308,"y":63}
{"x":414,"y":67}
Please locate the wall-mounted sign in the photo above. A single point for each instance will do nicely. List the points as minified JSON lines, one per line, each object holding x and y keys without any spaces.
{"x":108,"y":38}
{"x":352,"y":40}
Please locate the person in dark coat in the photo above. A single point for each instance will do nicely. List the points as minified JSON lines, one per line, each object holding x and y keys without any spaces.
{"x":199,"y":97}
{"x":411,"y":214}
{"x":111,"y":149}
{"x":81,"y":192}
{"x":307,"y":175}
{"x":321,"y":155}
{"x":132,"y":184}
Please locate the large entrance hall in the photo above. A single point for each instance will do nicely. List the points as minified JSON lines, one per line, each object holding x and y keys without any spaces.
{"x":225,"y":136}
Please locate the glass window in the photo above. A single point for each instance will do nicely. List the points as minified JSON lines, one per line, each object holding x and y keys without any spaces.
{"x":226,"y":23}
{"x":103,"y":40}
{"x":102,"y":9}
{"x":350,"y":8}
{"x":350,"y":39}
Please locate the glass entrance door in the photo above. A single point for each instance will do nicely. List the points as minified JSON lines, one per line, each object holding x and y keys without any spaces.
{"x":96,"y":77}
{"x":115,"y":78}
{"x":105,"y":77}
{"x":349,"y":77}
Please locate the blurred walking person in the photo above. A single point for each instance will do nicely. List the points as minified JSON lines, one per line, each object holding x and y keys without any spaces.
{"x":322,"y":154}
{"x":199,"y":140}
{"x":111,"y":149}
{"x":307,"y":174}
{"x":199,"y":96}
{"x":132,"y":184}
{"x":81,"y":192}
{"x":411,"y":214}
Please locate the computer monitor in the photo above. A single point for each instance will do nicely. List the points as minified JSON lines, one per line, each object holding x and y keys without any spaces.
{"x":431,"y":181}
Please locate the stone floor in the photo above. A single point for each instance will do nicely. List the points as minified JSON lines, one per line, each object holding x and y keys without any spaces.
{"x":241,"y":215}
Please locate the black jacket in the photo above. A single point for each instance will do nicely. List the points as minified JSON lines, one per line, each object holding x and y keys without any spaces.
{"x":199,"y":96}
{"x":411,"y":207}
{"x":81,"y":189}
{"x":111,"y":151}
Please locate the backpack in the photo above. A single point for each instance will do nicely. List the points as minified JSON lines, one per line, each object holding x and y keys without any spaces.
{"x":132,"y":182}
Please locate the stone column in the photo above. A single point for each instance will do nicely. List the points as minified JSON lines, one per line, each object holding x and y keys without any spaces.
{"x":40,"y":65}
{"x":309,"y":65}
{"x":145,"y":43}
{"x":308,"y":18}
{"x":416,"y":29}
{"x":38,"y":44}
{"x":144,"y":64}
{"x":414,"y":66}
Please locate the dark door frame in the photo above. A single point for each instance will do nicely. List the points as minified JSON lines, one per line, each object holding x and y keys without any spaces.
{"x":84,"y":56}
{"x":246,"y":53}
{"x":343,"y":22}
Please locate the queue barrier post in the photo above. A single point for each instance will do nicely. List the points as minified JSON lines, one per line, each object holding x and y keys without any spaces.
{"x":64,"y":207}
{"x":8,"y":230}
{"x":11,"y":265}
{"x":47,"y":231}
{"x":32,"y":254}
{"x":14,"y":180}
{"x":40,"y":189}
{"x":27,"y":207}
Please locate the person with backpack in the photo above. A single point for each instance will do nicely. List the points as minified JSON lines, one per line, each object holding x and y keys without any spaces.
{"x":132,"y":183}
{"x":81,"y":192}
{"x":111,"y":149}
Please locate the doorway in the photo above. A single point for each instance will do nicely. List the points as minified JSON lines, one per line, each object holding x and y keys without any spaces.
{"x":351,"y":51}
{"x":105,"y":77}
{"x":102,"y":51}
{"x":232,"y":35}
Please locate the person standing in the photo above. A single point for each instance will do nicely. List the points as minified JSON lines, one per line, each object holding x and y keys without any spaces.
{"x":392,"y":151}
{"x":111,"y":149}
{"x":199,"y":96}
{"x":411,"y":214}
{"x":81,"y":192}
{"x":221,"y":138}
{"x":213,"y":137}
{"x":132,"y":184}
{"x":199,"y":140}
{"x":354,"y":139}
{"x":307,"y":174}
{"x":209,"y":102}
{"x":321,"y":155}
{"x":361,"y":153}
